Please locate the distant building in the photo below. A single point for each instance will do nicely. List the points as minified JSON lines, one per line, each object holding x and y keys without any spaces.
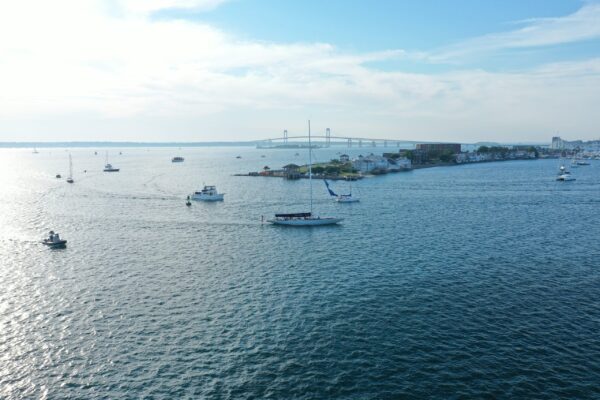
{"x":370,"y":163}
{"x":291,"y":171}
{"x":344,"y":158}
{"x":439,"y":148}
{"x":399,"y":164}
{"x":560,"y":144}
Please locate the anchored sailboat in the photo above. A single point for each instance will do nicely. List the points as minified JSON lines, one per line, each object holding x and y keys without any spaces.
{"x":108,"y":167}
{"x":305,"y":218}
{"x":70,"y":178}
{"x":341,"y":198}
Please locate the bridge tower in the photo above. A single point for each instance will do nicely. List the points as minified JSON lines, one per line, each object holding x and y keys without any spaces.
{"x":373,"y":143}
{"x":349,"y":142}
{"x":285,"y":136}
{"x":360,"y":143}
{"x":385,"y":143}
{"x":328,"y":137}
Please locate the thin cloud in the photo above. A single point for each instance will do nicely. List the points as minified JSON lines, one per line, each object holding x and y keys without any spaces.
{"x":150,"y":6}
{"x":584,"y":24}
{"x":79,"y":70}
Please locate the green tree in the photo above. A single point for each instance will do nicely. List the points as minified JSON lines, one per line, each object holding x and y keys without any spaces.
{"x":447,"y":156}
{"x":332,"y":169}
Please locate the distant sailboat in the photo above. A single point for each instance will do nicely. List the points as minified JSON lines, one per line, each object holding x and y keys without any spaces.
{"x":305,"y":218}
{"x":341,"y":198}
{"x":70,"y":178}
{"x":108,"y":167}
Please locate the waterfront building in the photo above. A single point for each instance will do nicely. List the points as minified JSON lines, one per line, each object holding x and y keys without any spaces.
{"x":344,"y":158}
{"x":291,"y":171}
{"x":439,"y":148}
{"x":560,"y":144}
{"x":370,"y":163}
{"x":399,"y":164}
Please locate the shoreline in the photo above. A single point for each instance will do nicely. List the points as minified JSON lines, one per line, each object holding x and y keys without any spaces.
{"x":279,"y":174}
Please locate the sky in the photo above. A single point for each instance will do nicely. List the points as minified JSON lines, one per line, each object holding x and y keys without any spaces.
{"x":218,"y":70}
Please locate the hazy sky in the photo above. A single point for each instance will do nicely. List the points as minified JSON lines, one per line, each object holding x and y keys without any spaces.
{"x":197,"y":70}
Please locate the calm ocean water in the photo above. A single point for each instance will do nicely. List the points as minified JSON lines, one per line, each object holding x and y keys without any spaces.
{"x":472,"y":281}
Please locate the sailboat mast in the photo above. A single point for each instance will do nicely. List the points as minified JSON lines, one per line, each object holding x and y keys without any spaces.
{"x":310,"y":166}
{"x":70,"y":167}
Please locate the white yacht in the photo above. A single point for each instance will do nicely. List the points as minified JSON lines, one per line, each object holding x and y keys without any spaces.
{"x":208,"y":193}
{"x":305,"y":218}
{"x":564,"y":175}
{"x":108,"y":167}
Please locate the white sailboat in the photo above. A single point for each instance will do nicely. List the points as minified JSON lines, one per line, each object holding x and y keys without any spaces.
{"x":108,"y":167}
{"x":70,"y":178}
{"x":305,"y":218}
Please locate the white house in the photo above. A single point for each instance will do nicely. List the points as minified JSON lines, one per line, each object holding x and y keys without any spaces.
{"x":370,"y":163}
{"x":400,"y":164}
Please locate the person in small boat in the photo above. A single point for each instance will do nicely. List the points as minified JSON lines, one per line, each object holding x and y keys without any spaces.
{"x":56,"y":238}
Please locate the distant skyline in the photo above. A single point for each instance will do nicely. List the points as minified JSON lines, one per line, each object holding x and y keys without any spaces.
{"x":237,"y":70}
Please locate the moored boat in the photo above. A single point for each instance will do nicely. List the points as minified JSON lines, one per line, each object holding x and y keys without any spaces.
{"x":70,"y":177}
{"x":108,"y":167}
{"x":564,"y":175}
{"x":177,"y":159}
{"x":302,"y":219}
{"x":341,"y":198}
{"x":305,"y":218}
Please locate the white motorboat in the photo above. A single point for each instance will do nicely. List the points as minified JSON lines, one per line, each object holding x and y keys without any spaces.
{"x":208,"y":193}
{"x":341,"y":198}
{"x":305,"y":218}
{"x":564,"y":174}
{"x":70,"y":177}
{"x":54,"y":241}
{"x":177,"y":159}
{"x":108,"y":167}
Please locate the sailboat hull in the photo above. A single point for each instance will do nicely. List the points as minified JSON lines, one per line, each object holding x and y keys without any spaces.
{"x":305,"y":221}
{"x":346,"y":199}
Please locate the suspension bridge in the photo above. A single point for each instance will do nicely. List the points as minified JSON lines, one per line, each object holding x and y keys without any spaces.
{"x":327,"y":140}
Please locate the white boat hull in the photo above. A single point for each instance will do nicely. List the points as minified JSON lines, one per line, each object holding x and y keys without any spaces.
{"x":565,"y":178}
{"x":216,"y":197}
{"x":347,"y":199}
{"x":305,"y":221}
